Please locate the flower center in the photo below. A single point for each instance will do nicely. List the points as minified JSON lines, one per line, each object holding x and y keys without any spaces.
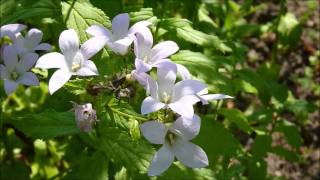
{"x":166,"y":97}
{"x":14,"y":75}
{"x":171,"y":138}
{"x":77,"y":62}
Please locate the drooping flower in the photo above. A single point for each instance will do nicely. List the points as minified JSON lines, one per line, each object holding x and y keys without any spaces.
{"x":120,"y":37}
{"x":11,"y":30}
{"x":72,"y":61}
{"x":164,"y":93}
{"x":15,"y":71}
{"x":175,"y":143}
{"x":31,"y":42}
{"x":85,"y":116}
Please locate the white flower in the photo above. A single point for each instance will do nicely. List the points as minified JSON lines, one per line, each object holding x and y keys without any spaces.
{"x":15,"y":72}
{"x":175,"y":143}
{"x":148,"y":56}
{"x":73,"y":61}
{"x":205,"y":97}
{"x":85,"y":116}
{"x":31,"y":42}
{"x":120,"y":38}
{"x":164,"y":93}
{"x":11,"y":30}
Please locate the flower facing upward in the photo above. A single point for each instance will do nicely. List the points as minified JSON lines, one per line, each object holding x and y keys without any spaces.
{"x":120,"y":37}
{"x":72,"y":61}
{"x":31,"y":42}
{"x":164,"y":93}
{"x":148,"y":56}
{"x":175,"y":143}
{"x":15,"y":71}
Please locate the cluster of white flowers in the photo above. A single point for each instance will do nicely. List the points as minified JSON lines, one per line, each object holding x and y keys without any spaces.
{"x":19,"y":56}
{"x":163,"y":93}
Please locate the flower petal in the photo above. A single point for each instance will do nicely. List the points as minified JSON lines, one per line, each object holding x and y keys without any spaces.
{"x":121,"y":46}
{"x":141,"y":67}
{"x":166,"y":74}
{"x":11,"y":29}
{"x":207,"y":97}
{"x":58,"y":79}
{"x":190,"y":154}
{"x":163,"y":50}
{"x":161,"y":161}
{"x":187,"y":87}
{"x":137,"y":27}
{"x":183,"y":72}
{"x":10,"y":57}
{"x":120,"y":25}
{"x":33,"y":37}
{"x":10,"y":86}
{"x":43,"y":47}
{"x":98,"y":30}
{"x":184,"y":106}
{"x":154,"y":131}
{"x":143,"y":43}
{"x":93,"y":46}
{"x":29,"y":79}
{"x":150,"y":105}
{"x":52,"y":60}
{"x":26,"y":62}
{"x":69,"y":42}
{"x":186,"y":127}
{"x":88,"y":69}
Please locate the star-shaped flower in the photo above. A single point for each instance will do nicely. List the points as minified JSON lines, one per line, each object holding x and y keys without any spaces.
{"x":15,"y":71}
{"x":72,"y":61}
{"x":31,"y":42}
{"x":164,"y":93}
{"x":120,"y":37}
{"x":175,"y":143}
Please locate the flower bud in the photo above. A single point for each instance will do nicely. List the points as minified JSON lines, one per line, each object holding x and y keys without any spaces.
{"x":85,"y":116}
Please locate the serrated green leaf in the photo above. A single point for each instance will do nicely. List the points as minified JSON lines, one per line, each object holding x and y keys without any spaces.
{"x":48,"y":124}
{"x":237,"y":117}
{"x":143,"y":14}
{"x":285,"y":153}
{"x":81,"y":15}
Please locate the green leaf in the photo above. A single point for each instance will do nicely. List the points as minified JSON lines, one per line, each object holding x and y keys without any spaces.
{"x":216,"y":141}
{"x":90,"y":167}
{"x":134,"y":155}
{"x":196,"y":62}
{"x":290,"y":132}
{"x":81,"y":15}
{"x":15,"y":170}
{"x":143,"y":14}
{"x":261,"y":146}
{"x":48,"y":124}
{"x":40,"y":9}
{"x":285,"y":153}
{"x":237,"y":117}
{"x":257,"y":168}
{"x":185,"y":31}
